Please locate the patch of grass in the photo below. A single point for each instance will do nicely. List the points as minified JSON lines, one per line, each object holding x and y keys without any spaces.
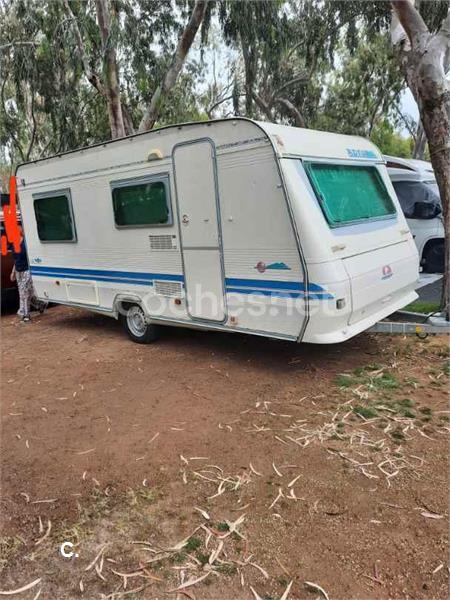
{"x":193,"y":544}
{"x":365,"y":411}
{"x":222,"y":526}
{"x":444,"y":417}
{"x":9,"y":548}
{"x":406,"y":402}
{"x":177,"y":558}
{"x":226,"y":569}
{"x":359,"y":371}
{"x":75,"y":534}
{"x":426,"y":418}
{"x":408,"y":413}
{"x":203,"y":558}
{"x":421,"y":306}
{"x":384,"y":381}
{"x":345,"y":380}
{"x":397,"y":434}
{"x":142,"y":494}
{"x":425,"y":410}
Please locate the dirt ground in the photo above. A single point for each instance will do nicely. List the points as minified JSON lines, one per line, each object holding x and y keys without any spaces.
{"x":228,"y":466}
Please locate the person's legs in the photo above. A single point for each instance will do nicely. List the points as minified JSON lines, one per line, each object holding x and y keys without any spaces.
{"x":36,"y":304}
{"x":25,"y":286}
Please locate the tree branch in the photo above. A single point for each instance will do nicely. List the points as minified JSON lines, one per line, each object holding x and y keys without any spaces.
{"x":170,"y":79}
{"x":410,"y":20}
{"x":304,"y":78}
{"x":111,"y":87}
{"x":33,"y":127}
{"x":292,"y":110}
{"x":264,"y":106}
{"x":92,"y":76}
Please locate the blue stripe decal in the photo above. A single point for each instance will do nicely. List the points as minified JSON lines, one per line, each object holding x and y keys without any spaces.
{"x":279,"y":285}
{"x":282,"y":294}
{"x":281,"y":289}
{"x":126,"y":276}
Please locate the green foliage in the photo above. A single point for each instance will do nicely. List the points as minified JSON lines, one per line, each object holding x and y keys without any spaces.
{"x":327,"y":63}
{"x":363,"y":91}
{"x":193,"y":544}
{"x":389,"y":142}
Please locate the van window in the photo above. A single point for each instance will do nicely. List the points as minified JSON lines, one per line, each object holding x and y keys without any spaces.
{"x":54,"y":217}
{"x":349,"y":193}
{"x":410,"y":192}
{"x":141,"y":203}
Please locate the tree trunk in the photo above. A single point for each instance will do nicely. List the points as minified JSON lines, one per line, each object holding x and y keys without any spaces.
{"x":248,"y":57}
{"x":421,"y":142}
{"x":111,"y":88}
{"x":424,"y":66}
{"x":433,"y":98}
{"x":108,"y":85}
{"x":170,"y":79}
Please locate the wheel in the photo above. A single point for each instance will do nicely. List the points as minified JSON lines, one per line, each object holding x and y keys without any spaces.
{"x":137,"y":328}
{"x":434,"y":257}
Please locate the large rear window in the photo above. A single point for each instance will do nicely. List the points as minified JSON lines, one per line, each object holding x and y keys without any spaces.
{"x":349,"y":193}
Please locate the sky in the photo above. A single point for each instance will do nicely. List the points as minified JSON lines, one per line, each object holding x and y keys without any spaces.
{"x":409,"y":105}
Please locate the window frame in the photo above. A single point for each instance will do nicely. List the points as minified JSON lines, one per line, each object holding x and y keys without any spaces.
{"x":317,"y":195}
{"x":64,"y":192}
{"x":157,"y":177}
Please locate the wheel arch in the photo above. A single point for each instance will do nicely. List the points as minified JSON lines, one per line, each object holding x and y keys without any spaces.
{"x":123,"y":301}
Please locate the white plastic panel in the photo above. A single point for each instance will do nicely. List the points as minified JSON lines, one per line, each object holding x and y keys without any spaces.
{"x":82,"y":292}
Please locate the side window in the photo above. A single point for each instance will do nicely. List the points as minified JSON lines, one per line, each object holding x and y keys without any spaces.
{"x":54,"y":217}
{"x":142,"y":202}
{"x":410,"y":192}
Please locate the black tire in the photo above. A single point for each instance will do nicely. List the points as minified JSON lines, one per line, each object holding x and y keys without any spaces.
{"x":136,"y":328}
{"x":434,"y":257}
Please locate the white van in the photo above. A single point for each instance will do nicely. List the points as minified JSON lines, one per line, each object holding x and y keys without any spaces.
{"x":229,"y":225}
{"x":416,"y":188}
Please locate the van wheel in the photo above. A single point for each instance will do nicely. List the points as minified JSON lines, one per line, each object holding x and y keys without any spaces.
{"x":434,"y":257}
{"x":137,"y":327}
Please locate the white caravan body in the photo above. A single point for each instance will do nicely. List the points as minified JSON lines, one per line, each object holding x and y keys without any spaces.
{"x":254,"y":229}
{"x":414,"y":179}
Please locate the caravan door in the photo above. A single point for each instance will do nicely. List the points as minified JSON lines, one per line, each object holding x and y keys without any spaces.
{"x":199,"y":223}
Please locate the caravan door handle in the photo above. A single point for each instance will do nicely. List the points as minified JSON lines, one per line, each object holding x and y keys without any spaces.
{"x":185,"y":219}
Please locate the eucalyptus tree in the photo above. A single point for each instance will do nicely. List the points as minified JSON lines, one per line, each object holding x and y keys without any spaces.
{"x":363,"y":90}
{"x":424,"y":52}
{"x":103,"y":29}
{"x":44,"y":106}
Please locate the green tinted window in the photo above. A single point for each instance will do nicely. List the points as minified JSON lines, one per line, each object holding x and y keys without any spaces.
{"x":349,"y":193}
{"x":54,"y":218}
{"x":143,"y":203}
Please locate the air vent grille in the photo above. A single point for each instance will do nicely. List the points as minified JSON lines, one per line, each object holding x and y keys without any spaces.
{"x":163,"y":242}
{"x":172,"y":289}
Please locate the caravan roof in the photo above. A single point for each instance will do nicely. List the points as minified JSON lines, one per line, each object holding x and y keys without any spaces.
{"x":287,"y":141}
{"x":296,"y":141}
{"x":410,"y":168}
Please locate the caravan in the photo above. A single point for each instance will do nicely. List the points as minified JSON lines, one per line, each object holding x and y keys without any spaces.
{"x":417,"y":191}
{"x":230,"y":225}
